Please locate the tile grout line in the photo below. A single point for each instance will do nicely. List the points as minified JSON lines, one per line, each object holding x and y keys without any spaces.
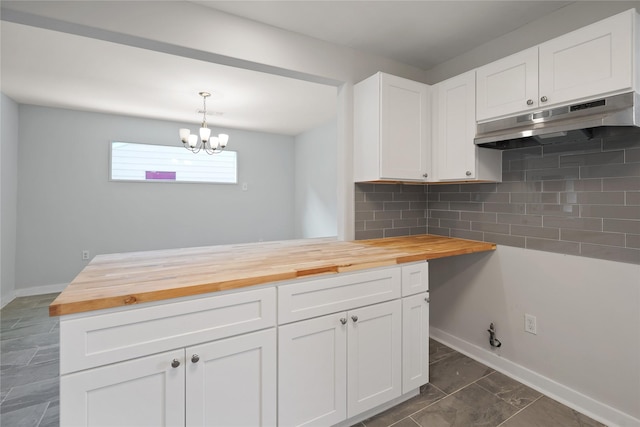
{"x":519,"y":411}
{"x":43,"y":413}
{"x":425,"y":407}
{"x":442,"y":398}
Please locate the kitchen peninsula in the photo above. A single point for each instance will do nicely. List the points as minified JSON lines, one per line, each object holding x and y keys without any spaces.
{"x":132,"y":278}
{"x":271,"y":333}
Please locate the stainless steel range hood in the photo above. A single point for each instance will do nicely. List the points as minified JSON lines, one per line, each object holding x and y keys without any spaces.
{"x":576,"y":122}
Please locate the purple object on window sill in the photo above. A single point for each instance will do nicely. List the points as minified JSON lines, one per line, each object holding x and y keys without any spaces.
{"x":170,"y":176}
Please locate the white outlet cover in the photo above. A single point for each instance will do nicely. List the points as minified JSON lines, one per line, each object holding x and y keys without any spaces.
{"x":530,"y":324}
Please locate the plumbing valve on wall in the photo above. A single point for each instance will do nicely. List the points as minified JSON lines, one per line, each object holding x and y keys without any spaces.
{"x":493,"y":340}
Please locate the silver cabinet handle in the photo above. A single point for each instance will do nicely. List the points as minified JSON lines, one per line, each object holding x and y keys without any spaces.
{"x":468,"y":173}
{"x":175,"y":363}
{"x":427,"y":299}
{"x":544,"y":99}
{"x":354,"y":318}
{"x":343,"y":320}
{"x":529,"y":101}
{"x":195,"y":358}
{"x":425,"y":175}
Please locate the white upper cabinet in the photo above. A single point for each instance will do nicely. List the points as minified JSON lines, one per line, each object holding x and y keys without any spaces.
{"x":456,"y":157}
{"x":592,"y":61}
{"x":508,"y":85}
{"x":391,"y":130}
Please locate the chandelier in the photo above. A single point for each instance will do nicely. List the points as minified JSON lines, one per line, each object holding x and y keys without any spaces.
{"x":210,"y":144}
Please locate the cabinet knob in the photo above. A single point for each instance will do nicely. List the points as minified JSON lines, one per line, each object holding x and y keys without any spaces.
{"x":468,"y":173}
{"x":529,"y":101}
{"x":544,"y":99}
{"x":354,"y":318}
{"x":425,"y":175}
{"x":343,"y":320}
{"x":175,"y":363}
{"x":427,"y":299}
{"x":195,"y":358}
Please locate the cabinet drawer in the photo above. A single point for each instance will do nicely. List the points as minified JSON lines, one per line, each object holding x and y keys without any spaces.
{"x":415,"y":278}
{"x":86,"y":342}
{"x":303,"y":300}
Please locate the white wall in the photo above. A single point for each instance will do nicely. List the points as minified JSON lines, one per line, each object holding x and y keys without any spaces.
{"x":587,"y":348}
{"x":8,"y":196}
{"x":66,"y":202}
{"x":316,"y":182}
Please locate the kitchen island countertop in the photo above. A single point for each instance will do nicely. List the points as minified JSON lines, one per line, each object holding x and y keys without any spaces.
{"x":131,"y":278}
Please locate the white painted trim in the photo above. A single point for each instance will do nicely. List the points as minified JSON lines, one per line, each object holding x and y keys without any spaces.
{"x":563,"y":394}
{"x":34,"y":290}
{"x":39,"y":290}
{"x":6,"y":299}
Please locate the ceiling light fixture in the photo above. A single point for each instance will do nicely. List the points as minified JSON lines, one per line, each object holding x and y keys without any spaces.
{"x":210,"y":144}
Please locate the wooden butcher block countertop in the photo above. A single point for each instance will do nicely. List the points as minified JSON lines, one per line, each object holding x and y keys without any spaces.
{"x":131,"y":278}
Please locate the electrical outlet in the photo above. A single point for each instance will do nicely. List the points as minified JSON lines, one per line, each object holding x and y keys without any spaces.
{"x":530,"y":324}
{"x":85,"y":255}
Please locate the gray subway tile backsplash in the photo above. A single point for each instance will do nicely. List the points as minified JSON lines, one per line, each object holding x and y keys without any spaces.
{"x":610,"y":211}
{"x":632,"y":198}
{"x":553,"y":173}
{"x":612,"y":253}
{"x":621,"y":226}
{"x":597,"y":237}
{"x":631,"y":183}
{"x":572,"y":198}
{"x":632,"y":155}
{"x":633,"y":241}
{"x":594,"y":224}
{"x":610,"y":170}
{"x":491,"y":227}
{"x":540,"y":232}
{"x":592,"y":159}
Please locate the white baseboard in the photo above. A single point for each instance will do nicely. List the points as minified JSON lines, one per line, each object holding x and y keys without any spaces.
{"x":563,"y":394}
{"x":39,"y":290}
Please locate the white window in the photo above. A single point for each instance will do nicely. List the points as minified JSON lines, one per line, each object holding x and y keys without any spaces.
{"x":163,"y":163}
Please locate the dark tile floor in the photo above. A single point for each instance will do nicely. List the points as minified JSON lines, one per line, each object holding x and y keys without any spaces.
{"x":29,"y":359}
{"x":461,"y":392}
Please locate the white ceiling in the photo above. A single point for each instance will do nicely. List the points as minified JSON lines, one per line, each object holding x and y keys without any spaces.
{"x":50,"y":68}
{"x":419,"y":33}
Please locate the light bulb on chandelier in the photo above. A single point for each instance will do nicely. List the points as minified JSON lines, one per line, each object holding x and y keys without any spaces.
{"x":210,"y":144}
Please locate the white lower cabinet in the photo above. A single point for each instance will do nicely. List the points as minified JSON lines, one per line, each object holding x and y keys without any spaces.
{"x":142,"y":392}
{"x":341,"y":347}
{"x":374,"y":351}
{"x":337,"y":366}
{"x":230,"y":382}
{"x":415,"y":341}
{"x":312,"y":371}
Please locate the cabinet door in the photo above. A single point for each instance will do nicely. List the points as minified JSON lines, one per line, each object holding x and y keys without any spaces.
{"x":404,"y":128}
{"x":232,"y":382}
{"x":507,"y":86}
{"x":591,"y":61}
{"x":146,"y":391}
{"x":312,"y":372}
{"x":454,"y":150}
{"x":374,"y":362}
{"x":415,"y":341}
